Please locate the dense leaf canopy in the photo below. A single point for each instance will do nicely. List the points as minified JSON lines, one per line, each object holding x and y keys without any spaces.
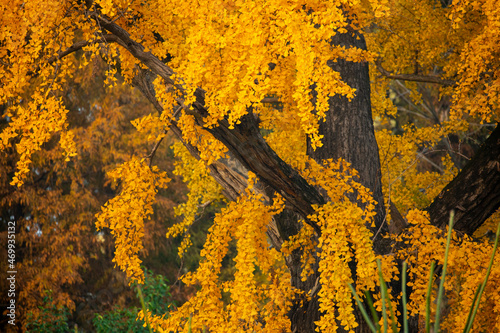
{"x":245,"y":87}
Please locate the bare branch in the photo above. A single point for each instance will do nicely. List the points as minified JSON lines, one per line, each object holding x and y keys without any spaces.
{"x":270,"y":100}
{"x":75,"y":47}
{"x":155,"y":148}
{"x":414,"y":77}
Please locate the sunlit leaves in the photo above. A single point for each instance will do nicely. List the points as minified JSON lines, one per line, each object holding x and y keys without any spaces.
{"x":125,"y":214}
{"x":458,"y":41}
{"x":255,"y":304}
{"x":401,"y":157}
{"x":237,"y":53}
{"x":203,"y":190}
{"x":230,"y":56}
{"x":35,"y":124}
{"x":478,"y":90}
{"x":345,"y":237}
{"x":467,"y":263}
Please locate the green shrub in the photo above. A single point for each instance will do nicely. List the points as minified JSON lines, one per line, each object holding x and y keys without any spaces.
{"x":157,"y":299}
{"x":51,"y":319}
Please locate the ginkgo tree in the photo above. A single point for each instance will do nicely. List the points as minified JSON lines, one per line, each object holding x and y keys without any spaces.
{"x":273,"y":103}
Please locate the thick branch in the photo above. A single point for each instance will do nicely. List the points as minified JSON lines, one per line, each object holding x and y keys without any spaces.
{"x":228,"y":172}
{"x":79,"y":45}
{"x":229,"y":175}
{"x":249,"y":147}
{"x":414,"y":77}
{"x":244,"y":141}
{"x":474,"y":194}
{"x":246,"y":144}
{"x":137,"y":50}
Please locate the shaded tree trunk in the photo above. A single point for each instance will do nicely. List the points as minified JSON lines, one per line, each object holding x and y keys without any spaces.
{"x":348,"y":133}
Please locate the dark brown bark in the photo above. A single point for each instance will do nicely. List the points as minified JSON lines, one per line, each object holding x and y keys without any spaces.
{"x":348,"y":130}
{"x":348,"y":133}
{"x":249,"y":147}
{"x":415,"y":77}
{"x":228,"y":172}
{"x":474,"y":194}
{"x":244,"y":141}
{"x":136,"y":49}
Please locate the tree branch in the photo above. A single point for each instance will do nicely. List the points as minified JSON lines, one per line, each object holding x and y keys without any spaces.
{"x":229,"y":174}
{"x":474,"y":193}
{"x":414,"y":77}
{"x":75,"y":47}
{"x":244,"y":141}
{"x":137,"y":50}
{"x":248,"y":148}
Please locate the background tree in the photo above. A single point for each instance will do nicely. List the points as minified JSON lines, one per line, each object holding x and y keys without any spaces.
{"x":216,"y":75}
{"x":62,"y":261}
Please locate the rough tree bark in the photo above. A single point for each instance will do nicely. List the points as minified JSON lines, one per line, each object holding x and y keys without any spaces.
{"x":348,"y":133}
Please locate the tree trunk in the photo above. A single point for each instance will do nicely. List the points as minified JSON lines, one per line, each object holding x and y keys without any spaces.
{"x":348,"y":133}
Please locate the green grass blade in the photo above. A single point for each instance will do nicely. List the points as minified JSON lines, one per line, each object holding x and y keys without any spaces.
{"x":428,"y":300}
{"x":144,"y":309}
{"x":383,"y":295}
{"x":403,"y":288}
{"x":388,"y":299}
{"x":471,"y":310}
{"x":375,"y":317}
{"x":363,"y":310}
{"x":443,"y":274}
{"x":483,"y":285}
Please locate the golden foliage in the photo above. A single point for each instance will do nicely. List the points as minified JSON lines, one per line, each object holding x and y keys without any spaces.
{"x":251,"y":303}
{"x":124,"y":215}
{"x":468,"y":260}
{"x":239,"y":52}
{"x":203,"y":190}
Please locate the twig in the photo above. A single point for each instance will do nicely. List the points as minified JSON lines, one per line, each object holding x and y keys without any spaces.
{"x":155,"y":148}
{"x":75,"y":47}
{"x":422,"y":156}
{"x":203,"y":206}
{"x":53,"y":79}
{"x":414,"y":77}
{"x":270,"y":100}
{"x":449,"y":150}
